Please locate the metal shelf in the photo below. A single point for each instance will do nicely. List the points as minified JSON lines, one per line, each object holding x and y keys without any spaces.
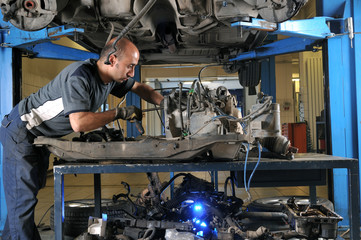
{"x":301,"y":161}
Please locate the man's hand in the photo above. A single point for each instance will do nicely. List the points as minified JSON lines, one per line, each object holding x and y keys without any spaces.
{"x":128,"y":113}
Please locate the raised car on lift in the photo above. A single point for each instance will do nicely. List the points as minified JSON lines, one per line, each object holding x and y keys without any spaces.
{"x":165,"y":31}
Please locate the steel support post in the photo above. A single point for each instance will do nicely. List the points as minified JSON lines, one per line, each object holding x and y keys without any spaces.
{"x":357,"y":56}
{"x":268,"y":77}
{"x":343,"y":58}
{"x":58,"y":204}
{"x":6,"y":104}
{"x":97,"y":196}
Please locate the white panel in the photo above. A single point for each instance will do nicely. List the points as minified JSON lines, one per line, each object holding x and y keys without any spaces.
{"x":311,"y":74}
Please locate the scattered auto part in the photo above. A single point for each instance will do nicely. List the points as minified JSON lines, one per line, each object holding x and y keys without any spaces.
{"x":171,"y":31}
{"x":77,"y":212}
{"x":312,"y":221}
{"x":197,"y":211}
{"x":97,"y":226}
{"x":275,"y":204}
{"x":249,"y":75}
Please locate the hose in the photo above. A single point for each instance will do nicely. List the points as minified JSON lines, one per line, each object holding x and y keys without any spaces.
{"x":180,"y":108}
{"x":130,"y":25}
{"x":150,"y":231}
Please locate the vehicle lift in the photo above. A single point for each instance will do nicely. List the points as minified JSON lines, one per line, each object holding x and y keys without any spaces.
{"x":340,"y":40}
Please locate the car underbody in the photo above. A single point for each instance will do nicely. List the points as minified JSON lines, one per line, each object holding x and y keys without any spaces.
{"x":165,"y":31}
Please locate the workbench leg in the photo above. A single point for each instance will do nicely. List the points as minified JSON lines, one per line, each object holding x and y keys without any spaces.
{"x":171,"y":175}
{"x":313,"y":194}
{"x":58,"y":205}
{"x":354,"y":201}
{"x":97,"y":196}
{"x":214,"y":179}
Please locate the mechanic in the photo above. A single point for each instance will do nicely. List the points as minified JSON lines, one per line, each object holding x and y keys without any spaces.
{"x":68,"y":103}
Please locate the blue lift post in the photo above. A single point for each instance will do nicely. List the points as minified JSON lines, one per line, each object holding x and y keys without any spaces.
{"x":6,"y":104}
{"x":344,"y":75}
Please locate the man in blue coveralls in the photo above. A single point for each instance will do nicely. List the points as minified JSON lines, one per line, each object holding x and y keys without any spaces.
{"x":68,"y":103}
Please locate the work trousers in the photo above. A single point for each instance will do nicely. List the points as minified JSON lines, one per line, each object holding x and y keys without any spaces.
{"x":24,"y":173}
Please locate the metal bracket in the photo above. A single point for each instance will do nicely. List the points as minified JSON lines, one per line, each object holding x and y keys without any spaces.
{"x":288,"y":45}
{"x":54,"y":51}
{"x":314,"y":28}
{"x":13,"y":37}
{"x":305,"y":34}
{"x":38,"y":43}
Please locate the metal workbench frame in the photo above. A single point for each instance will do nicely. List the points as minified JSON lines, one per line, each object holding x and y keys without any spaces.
{"x":301,"y":161}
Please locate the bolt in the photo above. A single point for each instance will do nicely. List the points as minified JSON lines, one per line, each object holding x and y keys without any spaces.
{"x":30,"y":5}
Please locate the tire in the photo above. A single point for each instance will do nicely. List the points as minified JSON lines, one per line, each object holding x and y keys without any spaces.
{"x":77,"y":212}
{"x":273,"y":204}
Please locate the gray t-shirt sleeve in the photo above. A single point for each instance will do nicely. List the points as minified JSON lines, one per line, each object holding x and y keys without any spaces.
{"x":75,"y":94}
{"x":120,"y":89}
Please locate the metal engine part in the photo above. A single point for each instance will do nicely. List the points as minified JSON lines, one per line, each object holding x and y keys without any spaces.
{"x":267,"y":124}
{"x":204,"y":112}
{"x":31,"y":15}
{"x":312,"y":221}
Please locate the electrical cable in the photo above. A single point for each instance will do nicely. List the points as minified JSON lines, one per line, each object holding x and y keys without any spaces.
{"x":204,"y":90}
{"x":259,"y":159}
{"x":110,"y":33}
{"x":41,"y":219}
{"x":170,"y":181}
{"x":160,"y":117}
{"x":248,"y":183}
{"x":244,"y":174}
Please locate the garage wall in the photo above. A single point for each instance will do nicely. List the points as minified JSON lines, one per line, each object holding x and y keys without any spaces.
{"x":38,"y":72}
{"x":284,"y":88}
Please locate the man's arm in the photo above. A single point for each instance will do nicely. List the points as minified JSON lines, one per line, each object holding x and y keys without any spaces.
{"x":147,"y":93}
{"x":87,"y":121}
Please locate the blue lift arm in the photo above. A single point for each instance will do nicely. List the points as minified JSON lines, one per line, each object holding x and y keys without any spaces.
{"x":37,"y":43}
{"x":304,"y":35}
{"x":288,"y":45}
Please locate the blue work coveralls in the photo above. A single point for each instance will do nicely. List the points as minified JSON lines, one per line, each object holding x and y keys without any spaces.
{"x":24,"y":173}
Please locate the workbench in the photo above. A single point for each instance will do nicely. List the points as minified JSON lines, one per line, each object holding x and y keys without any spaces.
{"x":302,"y":161}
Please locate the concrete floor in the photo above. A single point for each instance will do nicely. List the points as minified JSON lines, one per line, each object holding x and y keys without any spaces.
{"x":81,"y":187}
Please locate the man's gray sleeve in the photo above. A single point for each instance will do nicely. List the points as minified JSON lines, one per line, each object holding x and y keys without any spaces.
{"x":120,"y":89}
{"x":76,"y":95}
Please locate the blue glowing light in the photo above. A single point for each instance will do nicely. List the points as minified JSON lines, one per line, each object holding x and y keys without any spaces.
{"x":198,"y":221}
{"x":200,"y":233}
{"x":198,"y":207}
{"x":203,"y":224}
{"x":104,"y":216}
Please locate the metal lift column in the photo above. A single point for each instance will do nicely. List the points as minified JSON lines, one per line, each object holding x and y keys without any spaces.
{"x":6,"y":104}
{"x":342,"y":57}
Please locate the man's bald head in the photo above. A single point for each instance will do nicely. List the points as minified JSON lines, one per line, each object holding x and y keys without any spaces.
{"x":122,"y":45}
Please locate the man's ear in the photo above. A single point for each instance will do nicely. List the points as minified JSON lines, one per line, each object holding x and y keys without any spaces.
{"x":112,"y":60}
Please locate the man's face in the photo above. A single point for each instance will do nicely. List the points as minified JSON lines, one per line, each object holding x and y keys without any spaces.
{"x":124,"y":65}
